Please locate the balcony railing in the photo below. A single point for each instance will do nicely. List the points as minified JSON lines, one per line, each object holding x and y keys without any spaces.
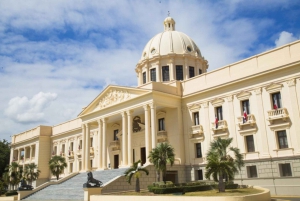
{"x":92,"y":151}
{"x":280,"y":113}
{"x":79,"y":153}
{"x":196,"y":131}
{"x":71,"y":155}
{"x":162,"y":136}
{"x":115,"y":145}
{"x":250,"y":120}
{"x":222,"y":125}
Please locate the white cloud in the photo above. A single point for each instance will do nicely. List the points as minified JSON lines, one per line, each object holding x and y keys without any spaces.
{"x":285,"y":38}
{"x":24,"y":110}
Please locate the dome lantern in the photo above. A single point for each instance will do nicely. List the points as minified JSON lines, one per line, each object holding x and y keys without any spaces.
{"x":169,"y":24}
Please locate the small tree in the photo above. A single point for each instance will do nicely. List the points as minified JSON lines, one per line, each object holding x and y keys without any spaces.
{"x":220,"y":164}
{"x":15,"y":174}
{"x":160,"y":157}
{"x":30,"y":174}
{"x":57,"y":164}
{"x":134,"y":171}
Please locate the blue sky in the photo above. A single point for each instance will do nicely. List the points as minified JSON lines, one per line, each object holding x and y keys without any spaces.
{"x":57,"y":56}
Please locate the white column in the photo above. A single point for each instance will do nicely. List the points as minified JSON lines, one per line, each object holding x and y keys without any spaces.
{"x":140,"y":77}
{"x":262,"y":125}
{"x":19,"y":155}
{"x":104,"y":148}
{"x":83,"y":148}
{"x":232,"y":126}
{"x":153,"y":125}
{"x":11,"y":155}
{"x":206,"y":126}
{"x":147,"y":133}
{"x":129,"y":126}
{"x":147,"y":74}
{"x":158,"y":73}
{"x":99,"y":144}
{"x":172,"y":70}
{"x":294,"y":113}
{"x":185,"y":69}
{"x":124,"y":139}
{"x":87,"y":148}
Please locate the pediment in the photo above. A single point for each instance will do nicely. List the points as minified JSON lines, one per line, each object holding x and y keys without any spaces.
{"x":194,"y":107}
{"x":217,"y":102}
{"x":112,"y":95}
{"x":273,"y":87}
{"x":243,"y":95}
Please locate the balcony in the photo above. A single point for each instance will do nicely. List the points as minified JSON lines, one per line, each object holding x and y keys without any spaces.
{"x":92,"y":151}
{"x":115,"y":145}
{"x":250,"y":121}
{"x":222,"y":125}
{"x":196,"y":132}
{"x":162,"y":136}
{"x":71,"y":155}
{"x":278,"y":114}
{"x":79,"y":153}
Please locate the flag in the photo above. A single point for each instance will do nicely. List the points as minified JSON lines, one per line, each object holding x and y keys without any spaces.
{"x":245,"y":116}
{"x":216,"y":122}
{"x":275,"y":107}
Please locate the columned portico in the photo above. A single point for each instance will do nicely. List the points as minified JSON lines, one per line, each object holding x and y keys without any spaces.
{"x":129,"y":150}
{"x":153,"y":125}
{"x":104,"y":144}
{"x":124,"y":139}
{"x":99,"y":143}
{"x":87,"y":148}
{"x":147,"y":133}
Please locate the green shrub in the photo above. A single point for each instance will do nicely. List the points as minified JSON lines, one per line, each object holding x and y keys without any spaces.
{"x":9,"y":193}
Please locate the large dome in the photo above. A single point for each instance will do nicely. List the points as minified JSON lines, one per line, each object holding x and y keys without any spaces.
{"x":170,"y":42}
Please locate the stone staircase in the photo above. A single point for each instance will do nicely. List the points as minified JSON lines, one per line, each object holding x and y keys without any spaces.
{"x":72,"y":188}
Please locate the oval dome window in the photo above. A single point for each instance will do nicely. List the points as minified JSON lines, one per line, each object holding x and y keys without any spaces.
{"x":189,"y":48}
{"x":153,"y":51}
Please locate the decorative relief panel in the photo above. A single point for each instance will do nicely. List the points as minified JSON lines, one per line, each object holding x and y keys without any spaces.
{"x":243,"y":95}
{"x":137,"y":124}
{"x":217,"y":102}
{"x":194,"y":107}
{"x":114,"y":97}
{"x":273,"y":87}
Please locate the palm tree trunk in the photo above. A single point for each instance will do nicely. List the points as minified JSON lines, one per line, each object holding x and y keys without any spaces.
{"x":137,"y":185}
{"x":221,"y":183}
{"x":164,"y":176}
{"x":158,"y":175}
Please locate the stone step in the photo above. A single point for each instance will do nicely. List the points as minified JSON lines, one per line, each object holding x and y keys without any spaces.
{"x":72,"y":188}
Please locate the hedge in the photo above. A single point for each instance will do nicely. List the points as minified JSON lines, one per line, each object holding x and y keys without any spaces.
{"x":9,"y":193}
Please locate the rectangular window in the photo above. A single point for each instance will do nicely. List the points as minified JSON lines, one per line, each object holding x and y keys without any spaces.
{"x":276,"y":100}
{"x":198,"y":150}
{"x":200,"y":71}
{"x":161,"y":124}
{"x":179,"y":72}
{"x":252,"y":171}
{"x":144,"y":77}
{"x":91,"y":145}
{"x":246,"y":107}
{"x":250,"y":143}
{"x":219,"y":113}
{"x":282,"y":139}
{"x":153,"y":74}
{"x":200,"y":174}
{"x":191,"y":71}
{"x":165,"y":73}
{"x":285,"y":170}
{"x":196,"y":118}
{"x":115,"y":135}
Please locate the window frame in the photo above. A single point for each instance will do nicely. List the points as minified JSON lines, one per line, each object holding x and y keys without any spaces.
{"x":245,"y":104}
{"x":161,"y":124}
{"x":250,"y":171}
{"x":276,"y":96}
{"x":191,"y":71}
{"x":248,"y":142}
{"x":144,"y":78}
{"x":179,"y":72}
{"x":153,"y":74}
{"x":281,"y":170}
{"x":115,"y":137}
{"x":198,"y":147}
{"x":219,"y":115}
{"x":165,"y":72}
{"x":285,"y":139}
{"x":196,"y":118}
{"x":200,"y":71}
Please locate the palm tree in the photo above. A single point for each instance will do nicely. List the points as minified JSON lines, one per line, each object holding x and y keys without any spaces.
{"x":160,"y":157}
{"x":57,"y":164}
{"x":29,"y":173}
{"x":15,"y":174}
{"x":135,"y":170}
{"x":222,"y":165}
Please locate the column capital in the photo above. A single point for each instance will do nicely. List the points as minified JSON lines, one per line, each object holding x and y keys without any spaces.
{"x":145,"y":107}
{"x":152,"y":105}
{"x":204,"y":104}
{"x":129,"y":112}
{"x":291,"y":82}
{"x":230,"y":98}
{"x":123,"y":114}
{"x":99,"y":121}
{"x":104,"y":120}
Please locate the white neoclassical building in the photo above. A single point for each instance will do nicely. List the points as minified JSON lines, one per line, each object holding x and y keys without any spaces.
{"x":256,"y":101}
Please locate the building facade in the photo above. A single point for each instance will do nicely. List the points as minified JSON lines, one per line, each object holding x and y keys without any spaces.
{"x":255,"y":101}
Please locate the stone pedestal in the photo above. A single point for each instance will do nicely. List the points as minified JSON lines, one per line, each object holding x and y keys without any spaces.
{"x":22,"y":194}
{"x":91,"y":191}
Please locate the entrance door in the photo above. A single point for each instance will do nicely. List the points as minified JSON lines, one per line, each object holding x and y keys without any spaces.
{"x":116,"y":161}
{"x":172,"y":176}
{"x":143,"y":155}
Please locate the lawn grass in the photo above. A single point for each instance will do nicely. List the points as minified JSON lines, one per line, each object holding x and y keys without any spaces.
{"x":229,"y":192}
